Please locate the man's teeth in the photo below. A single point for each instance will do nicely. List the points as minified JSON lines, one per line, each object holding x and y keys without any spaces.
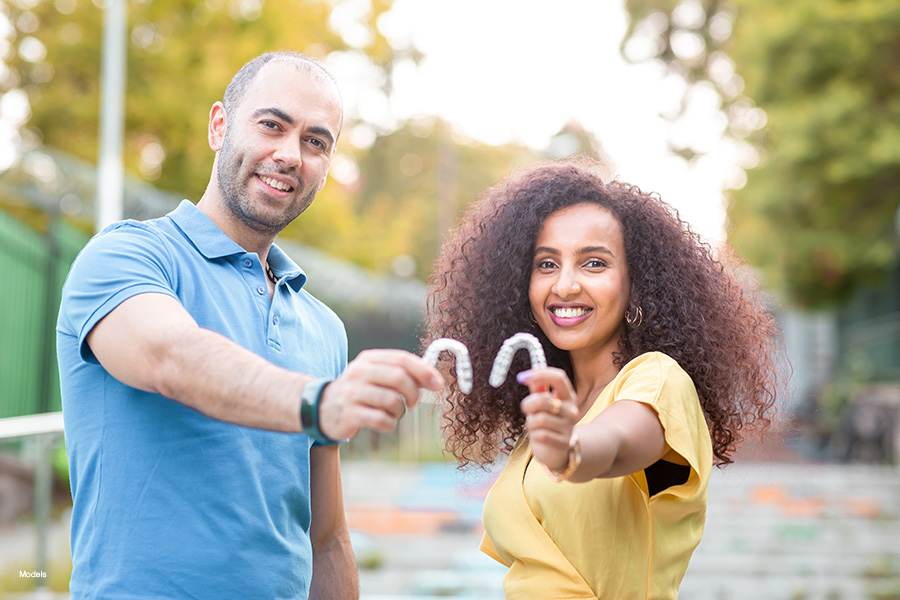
{"x":276,"y":184}
{"x":570,"y":313}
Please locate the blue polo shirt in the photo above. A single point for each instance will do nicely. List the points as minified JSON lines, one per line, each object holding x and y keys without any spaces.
{"x":169,"y":503}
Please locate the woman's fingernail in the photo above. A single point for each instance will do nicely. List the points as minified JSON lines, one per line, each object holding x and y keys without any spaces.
{"x":523,"y":376}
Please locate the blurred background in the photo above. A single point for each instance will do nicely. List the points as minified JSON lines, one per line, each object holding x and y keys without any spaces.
{"x":772,"y":127}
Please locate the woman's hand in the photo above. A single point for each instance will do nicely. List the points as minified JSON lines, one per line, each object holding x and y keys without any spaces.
{"x":551,"y":412}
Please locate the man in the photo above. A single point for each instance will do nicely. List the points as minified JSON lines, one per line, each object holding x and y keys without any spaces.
{"x":188,"y":350}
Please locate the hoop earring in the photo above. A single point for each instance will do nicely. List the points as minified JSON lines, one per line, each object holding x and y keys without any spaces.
{"x":636,"y":318}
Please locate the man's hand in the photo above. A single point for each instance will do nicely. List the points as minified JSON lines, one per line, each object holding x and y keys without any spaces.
{"x":374,"y":392}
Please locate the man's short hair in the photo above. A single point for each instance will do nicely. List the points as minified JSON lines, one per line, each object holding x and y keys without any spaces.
{"x":236,"y":90}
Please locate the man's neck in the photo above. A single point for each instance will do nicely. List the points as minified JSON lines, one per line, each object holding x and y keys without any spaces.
{"x":245,"y":237}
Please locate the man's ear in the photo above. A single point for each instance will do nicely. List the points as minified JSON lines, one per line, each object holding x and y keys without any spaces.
{"x":217,"y":125}
{"x":322,"y":183}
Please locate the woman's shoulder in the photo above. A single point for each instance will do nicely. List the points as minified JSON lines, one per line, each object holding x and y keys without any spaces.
{"x":653,"y":361}
{"x":654,"y":369}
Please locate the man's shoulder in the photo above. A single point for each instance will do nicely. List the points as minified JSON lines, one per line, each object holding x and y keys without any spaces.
{"x":129,"y":232}
{"x":121,"y":249}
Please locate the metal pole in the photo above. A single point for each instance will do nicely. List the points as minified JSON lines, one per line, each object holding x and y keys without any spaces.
{"x":43,"y":495}
{"x":110,"y":173}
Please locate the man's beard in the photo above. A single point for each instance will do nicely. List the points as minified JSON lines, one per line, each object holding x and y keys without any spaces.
{"x":236,"y":194}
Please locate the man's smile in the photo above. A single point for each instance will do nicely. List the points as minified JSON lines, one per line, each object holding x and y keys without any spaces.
{"x":281,"y":186}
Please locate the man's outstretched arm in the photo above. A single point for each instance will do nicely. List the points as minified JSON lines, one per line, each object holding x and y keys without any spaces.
{"x":150,"y":342}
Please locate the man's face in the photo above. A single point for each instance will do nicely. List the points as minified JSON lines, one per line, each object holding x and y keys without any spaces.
{"x":277,"y":146}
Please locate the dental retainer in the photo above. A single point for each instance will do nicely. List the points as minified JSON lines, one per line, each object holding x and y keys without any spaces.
{"x":463,"y":362}
{"x":504,"y":357}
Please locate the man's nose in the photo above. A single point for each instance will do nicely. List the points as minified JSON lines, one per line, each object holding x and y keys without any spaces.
{"x":288,"y":153}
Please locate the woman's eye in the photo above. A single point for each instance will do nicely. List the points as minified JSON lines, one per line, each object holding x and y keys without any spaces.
{"x":596,"y":263}
{"x":545,"y":264}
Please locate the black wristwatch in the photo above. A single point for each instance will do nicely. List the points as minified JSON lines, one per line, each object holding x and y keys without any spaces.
{"x":309,"y":410}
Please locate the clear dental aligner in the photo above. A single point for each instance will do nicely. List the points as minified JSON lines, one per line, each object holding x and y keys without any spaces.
{"x":508,"y":350}
{"x":463,"y":362}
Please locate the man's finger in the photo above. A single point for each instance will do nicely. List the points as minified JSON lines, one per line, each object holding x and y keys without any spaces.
{"x":423,"y":374}
{"x":371,"y":378}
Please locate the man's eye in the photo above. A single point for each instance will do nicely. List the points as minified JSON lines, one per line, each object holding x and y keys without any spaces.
{"x":317,"y":143}
{"x":269,"y":124}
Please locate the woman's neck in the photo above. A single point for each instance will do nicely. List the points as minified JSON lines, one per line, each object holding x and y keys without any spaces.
{"x":592,"y":372}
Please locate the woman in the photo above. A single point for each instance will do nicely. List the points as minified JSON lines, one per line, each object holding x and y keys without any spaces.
{"x":659,"y":359}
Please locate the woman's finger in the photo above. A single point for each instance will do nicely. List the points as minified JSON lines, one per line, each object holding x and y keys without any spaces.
{"x":548,"y":378}
{"x":551,"y":405}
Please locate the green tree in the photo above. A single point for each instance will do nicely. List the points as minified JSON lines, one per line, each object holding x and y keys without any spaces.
{"x":816,"y":214}
{"x":181,"y":54}
{"x":388,"y":199}
{"x":413,"y":185}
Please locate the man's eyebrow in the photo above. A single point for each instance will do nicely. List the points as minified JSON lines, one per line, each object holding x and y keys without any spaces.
{"x":280,"y":114}
{"x":324,"y":132}
{"x":275,"y":112}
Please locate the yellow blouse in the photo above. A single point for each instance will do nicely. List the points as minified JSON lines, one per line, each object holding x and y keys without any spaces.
{"x":605,"y":539}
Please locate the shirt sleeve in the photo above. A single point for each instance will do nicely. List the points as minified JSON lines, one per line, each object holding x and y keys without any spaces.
{"x":119,"y":263}
{"x":656,"y":380}
{"x":487,"y":546}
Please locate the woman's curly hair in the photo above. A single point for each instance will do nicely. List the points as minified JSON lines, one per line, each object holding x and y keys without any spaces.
{"x":694,"y":310}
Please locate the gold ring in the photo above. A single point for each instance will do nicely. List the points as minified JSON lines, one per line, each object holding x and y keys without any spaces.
{"x":555,"y":405}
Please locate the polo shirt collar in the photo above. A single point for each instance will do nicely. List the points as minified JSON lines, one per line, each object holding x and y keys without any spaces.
{"x":213,"y":243}
{"x":206,"y":236}
{"x":285,"y":268}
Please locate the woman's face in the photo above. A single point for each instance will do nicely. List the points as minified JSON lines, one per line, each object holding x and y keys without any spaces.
{"x":579,"y":288}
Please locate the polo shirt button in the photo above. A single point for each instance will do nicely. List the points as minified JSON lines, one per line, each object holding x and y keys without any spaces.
{"x":261,"y":290}
{"x":248,"y":263}
{"x":274,"y":320}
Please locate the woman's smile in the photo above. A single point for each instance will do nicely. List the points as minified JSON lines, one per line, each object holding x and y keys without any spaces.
{"x":579,"y":289}
{"x":568,"y":316}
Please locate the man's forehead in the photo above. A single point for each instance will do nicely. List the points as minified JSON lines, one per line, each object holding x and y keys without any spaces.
{"x":286,"y":73}
{"x":286,"y":82}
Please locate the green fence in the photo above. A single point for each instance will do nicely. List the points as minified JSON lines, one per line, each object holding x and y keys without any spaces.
{"x":33,"y":267}
{"x":869,"y":330}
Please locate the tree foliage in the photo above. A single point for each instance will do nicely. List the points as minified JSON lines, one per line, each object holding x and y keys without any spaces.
{"x":817,"y":212}
{"x":394,"y":197}
{"x":414,"y":185}
{"x":393,"y":192}
{"x":181,"y":53}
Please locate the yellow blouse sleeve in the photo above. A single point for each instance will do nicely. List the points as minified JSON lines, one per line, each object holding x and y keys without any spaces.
{"x":487,"y":546}
{"x":656,"y":380}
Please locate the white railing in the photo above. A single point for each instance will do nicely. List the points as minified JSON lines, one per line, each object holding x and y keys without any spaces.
{"x":45,"y":429}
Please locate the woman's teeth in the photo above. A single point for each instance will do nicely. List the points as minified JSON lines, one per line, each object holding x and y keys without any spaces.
{"x":570,"y":312}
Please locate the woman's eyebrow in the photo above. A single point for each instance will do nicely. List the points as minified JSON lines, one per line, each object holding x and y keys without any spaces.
{"x":584,"y":250}
{"x":597,"y":249}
